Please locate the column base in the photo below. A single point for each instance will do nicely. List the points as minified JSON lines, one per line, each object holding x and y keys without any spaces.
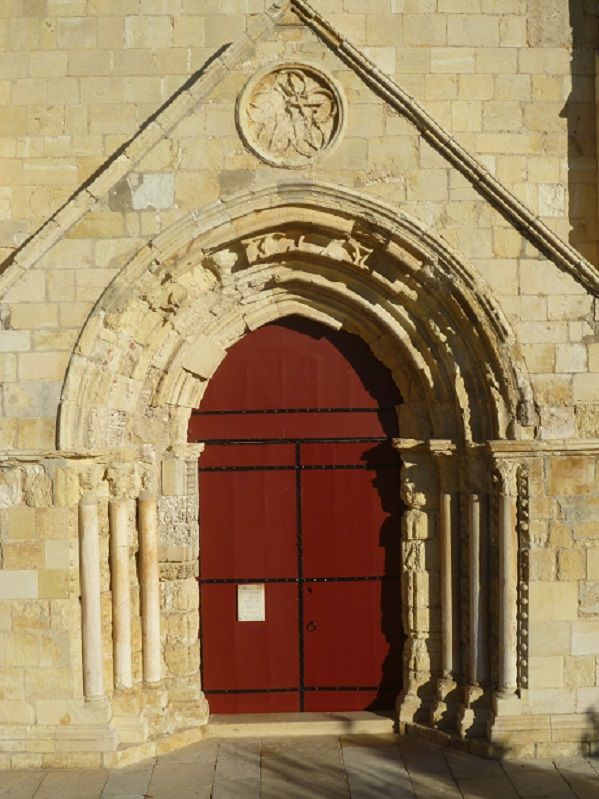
{"x":446,"y":705}
{"x":509,"y":703}
{"x":408,"y":707}
{"x":473,"y":716}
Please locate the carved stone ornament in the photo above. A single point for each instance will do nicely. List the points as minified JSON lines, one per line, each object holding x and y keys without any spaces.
{"x":290,"y":114}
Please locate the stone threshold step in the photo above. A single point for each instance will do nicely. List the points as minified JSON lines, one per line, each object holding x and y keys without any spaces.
{"x":266,"y":725}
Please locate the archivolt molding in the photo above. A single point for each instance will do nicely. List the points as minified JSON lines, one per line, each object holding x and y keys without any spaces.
{"x":317,"y":250}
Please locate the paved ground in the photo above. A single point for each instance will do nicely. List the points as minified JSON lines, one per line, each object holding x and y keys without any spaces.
{"x":324,"y":767}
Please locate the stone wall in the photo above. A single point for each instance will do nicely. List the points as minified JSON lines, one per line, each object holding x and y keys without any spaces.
{"x":114,"y":316}
{"x":80,"y":76}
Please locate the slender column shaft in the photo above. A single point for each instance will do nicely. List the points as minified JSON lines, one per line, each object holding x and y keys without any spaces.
{"x":121,"y":592}
{"x":508,"y":599}
{"x":474,"y":580}
{"x":478,"y":594}
{"x":91,"y":615}
{"x":150,"y":587}
{"x":447,"y":610}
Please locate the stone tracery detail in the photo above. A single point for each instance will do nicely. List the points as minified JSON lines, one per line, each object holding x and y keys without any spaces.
{"x":290,"y":115}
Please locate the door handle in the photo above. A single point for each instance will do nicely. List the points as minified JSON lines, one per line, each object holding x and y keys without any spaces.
{"x":311,"y":626}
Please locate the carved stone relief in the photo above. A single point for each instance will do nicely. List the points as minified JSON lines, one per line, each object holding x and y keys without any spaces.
{"x":347,"y":250}
{"x":290,"y":114}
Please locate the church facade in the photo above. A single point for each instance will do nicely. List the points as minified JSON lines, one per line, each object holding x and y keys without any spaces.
{"x":179,"y":176}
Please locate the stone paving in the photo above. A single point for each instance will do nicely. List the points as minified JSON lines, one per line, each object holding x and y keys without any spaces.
{"x":327,"y":767}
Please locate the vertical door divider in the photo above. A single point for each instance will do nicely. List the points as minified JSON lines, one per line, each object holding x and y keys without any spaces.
{"x":300,"y":571}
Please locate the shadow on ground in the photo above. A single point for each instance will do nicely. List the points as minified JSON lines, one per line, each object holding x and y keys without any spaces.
{"x":318,"y":767}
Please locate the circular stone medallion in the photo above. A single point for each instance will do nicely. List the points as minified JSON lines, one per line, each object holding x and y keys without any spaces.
{"x":290,"y":114}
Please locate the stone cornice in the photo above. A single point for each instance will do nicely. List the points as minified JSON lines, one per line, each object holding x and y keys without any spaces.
{"x":500,"y":450}
{"x":531,"y":449}
{"x":430,"y":446}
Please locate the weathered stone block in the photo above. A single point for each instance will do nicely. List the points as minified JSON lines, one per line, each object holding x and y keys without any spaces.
{"x":571,"y":565}
{"x":579,"y":671}
{"x":16,"y":711}
{"x":585,"y":634}
{"x":18,"y":584}
{"x":550,"y":638}
{"x":552,"y":700}
{"x":54,"y":583}
{"x":20,"y":523}
{"x":553,"y":601}
{"x":570,"y":476}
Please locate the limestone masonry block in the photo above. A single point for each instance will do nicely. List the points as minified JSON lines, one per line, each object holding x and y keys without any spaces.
{"x":584,"y":637}
{"x":549,"y":600}
{"x":18,"y":584}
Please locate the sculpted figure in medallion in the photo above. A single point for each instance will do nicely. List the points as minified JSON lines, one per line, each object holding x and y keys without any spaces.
{"x":290,"y":115}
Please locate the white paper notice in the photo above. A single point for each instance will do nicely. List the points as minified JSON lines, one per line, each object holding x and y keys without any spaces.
{"x":251,"y":605}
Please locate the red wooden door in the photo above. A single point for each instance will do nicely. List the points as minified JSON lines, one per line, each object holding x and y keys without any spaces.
{"x":299,"y":504}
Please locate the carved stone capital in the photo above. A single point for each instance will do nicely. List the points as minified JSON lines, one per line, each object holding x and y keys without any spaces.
{"x":89,"y":479}
{"x":123,"y":480}
{"x":505,"y":476}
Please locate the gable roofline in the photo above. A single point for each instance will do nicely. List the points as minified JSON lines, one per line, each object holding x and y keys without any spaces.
{"x":117,"y":166}
{"x":201,"y":84}
{"x":519,"y":215}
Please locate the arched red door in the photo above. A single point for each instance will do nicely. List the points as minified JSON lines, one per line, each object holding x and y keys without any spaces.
{"x":299,"y":525}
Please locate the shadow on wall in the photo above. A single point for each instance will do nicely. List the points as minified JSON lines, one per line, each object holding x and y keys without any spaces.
{"x":581,"y":115}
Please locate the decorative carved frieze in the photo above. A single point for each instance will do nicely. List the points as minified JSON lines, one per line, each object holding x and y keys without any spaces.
{"x":267,"y":246}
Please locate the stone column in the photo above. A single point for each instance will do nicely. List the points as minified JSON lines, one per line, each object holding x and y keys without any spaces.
{"x":508,"y":584}
{"x":120,"y":584}
{"x":419,"y":487}
{"x":91,"y":615}
{"x":474,"y":714}
{"x":477,"y":640}
{"x":447,"y":702}
{"x":150,"y":587}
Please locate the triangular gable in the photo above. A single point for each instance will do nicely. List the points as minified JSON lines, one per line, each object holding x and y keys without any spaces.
{"x":203,"y":82}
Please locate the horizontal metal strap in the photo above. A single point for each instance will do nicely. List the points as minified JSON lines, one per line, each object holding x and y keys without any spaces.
{"x":284,"y":440}
{"x":243,"y":581}
{"x":361,"y":467}
{"x":260,"y":411}
{"x":297,"y":689}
